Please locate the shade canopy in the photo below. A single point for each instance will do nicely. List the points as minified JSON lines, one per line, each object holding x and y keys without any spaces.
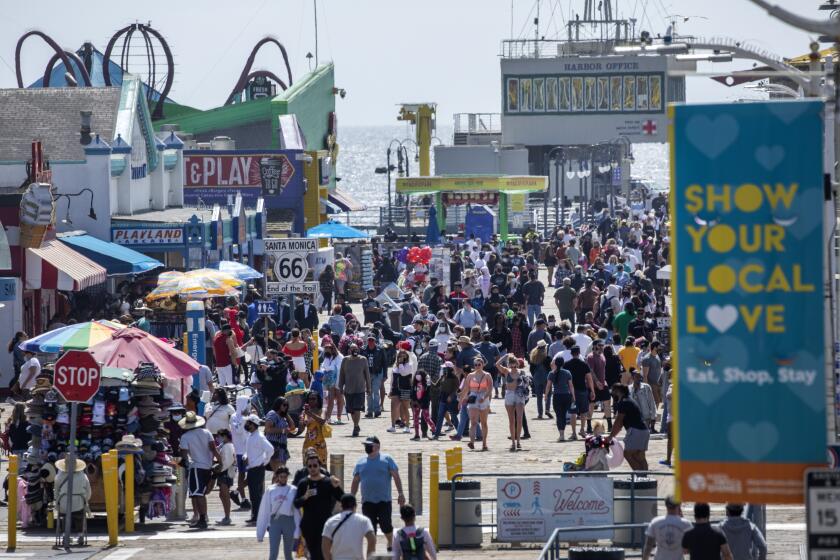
{"x":128,"y":347}
{"x":114,"y":258}
{"x":80,"y":336}
{"x":55,"y":266}
{"x":196,"y":284}
{"x":336,"y":230}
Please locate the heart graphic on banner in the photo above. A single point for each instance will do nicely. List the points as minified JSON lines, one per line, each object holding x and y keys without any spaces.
{"x":753,"y":441}
{"x":769,"y":156}
{"x":712,"y":137}
{"x":725,"y":351}
{"x":786,"y":111}
{"x":795,"y":219}
{"x":804,"y":364}
{"x":722,"y":317}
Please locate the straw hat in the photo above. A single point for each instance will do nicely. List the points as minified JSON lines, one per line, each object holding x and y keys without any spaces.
{"x":191,"y":420}
{"x":128,"y":443}
{"x":61,"y":465}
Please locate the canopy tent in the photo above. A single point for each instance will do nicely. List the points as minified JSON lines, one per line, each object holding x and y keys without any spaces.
{"x":55,"y":266}
{"x":335,"y":230}
{"x":128,"y":347}
{"x":503,"y":184}
{"x":116,"y":259}
{"x":345,"y":201}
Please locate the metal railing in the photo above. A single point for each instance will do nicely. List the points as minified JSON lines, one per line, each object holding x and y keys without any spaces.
{"x":478,"y":123}
{"x":632,"y":498}
{"x":551,"y":550}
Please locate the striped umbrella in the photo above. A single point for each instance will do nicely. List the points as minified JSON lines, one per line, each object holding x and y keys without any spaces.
{"x":80,"y":336}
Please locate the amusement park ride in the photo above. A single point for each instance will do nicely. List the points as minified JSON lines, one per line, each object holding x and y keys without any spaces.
{"x":88,"y":67}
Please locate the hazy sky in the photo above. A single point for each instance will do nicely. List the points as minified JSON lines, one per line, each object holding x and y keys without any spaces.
{"x":385,"y":51}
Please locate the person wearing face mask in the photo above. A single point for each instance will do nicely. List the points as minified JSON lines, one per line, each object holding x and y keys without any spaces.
{"x":279,"y":516}
{"x":258,"y":453}
{"x":306,"y":315}
{"x":240,"y":438}
{"x":374,"y":473}
{"x":354,"y":382}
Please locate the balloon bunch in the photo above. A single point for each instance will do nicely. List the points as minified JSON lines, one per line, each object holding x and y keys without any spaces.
{"x":420,"y":255}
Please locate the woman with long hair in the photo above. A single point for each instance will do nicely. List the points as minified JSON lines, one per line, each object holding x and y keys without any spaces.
{"x":540,"y":363}
{"x":18,"y":359}
{"x":315,"y":437}
{"x":278,"y":425}
{"x":337,"y":322}
{"x":218,"y":412}
{"x":516,"y":385}
{"x":401,"y":395}
{"x":331,"y":365}
{"x":296,"y":348}
{"x":479,"y":386}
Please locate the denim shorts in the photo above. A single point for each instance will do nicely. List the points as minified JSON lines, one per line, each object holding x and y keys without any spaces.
{"x":581,"y":405}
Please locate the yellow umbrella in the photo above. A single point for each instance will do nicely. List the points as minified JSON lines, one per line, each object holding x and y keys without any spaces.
{"x":195,"y":284}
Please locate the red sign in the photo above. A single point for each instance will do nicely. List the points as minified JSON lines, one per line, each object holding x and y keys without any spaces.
{"x":77,"y":376}
{"x":231,"y":170}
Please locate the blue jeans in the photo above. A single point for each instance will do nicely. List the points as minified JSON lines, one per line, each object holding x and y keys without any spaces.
{"x":282,"y":526}
{"x":533,"y":313}
{"x":373,"y":404}
{"x":539,"y":395}
{"x":464,"y":424}
{"x":444,"y":407}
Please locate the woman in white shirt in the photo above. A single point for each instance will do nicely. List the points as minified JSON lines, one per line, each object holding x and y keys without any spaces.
{"x":279,"y":516}
{"x":401,"y":389}
{"x":218,"y":412}
{"x":225,"y":472}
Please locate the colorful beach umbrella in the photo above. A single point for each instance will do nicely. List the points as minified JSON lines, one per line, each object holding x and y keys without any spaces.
{"x":239,"y":270}
{"x":80,"y":336}
{"x":128,"y":347}
{"x":195,"y":284}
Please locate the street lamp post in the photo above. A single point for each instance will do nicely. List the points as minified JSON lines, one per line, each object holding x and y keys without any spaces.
{"x":559,"y":160}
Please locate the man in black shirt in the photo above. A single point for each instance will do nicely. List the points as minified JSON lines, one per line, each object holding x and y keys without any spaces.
{"x":534,"y":292}
{"x":637,"y":434}
{"x":705,"y":541}
{"x":373,"y":309}
{"x":584,"y":390}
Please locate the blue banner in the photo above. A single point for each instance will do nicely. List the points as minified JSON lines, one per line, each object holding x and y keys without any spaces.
{"x":748,"y":252}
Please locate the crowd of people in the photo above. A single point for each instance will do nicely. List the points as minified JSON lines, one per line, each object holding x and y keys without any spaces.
{"x":598,"y":368}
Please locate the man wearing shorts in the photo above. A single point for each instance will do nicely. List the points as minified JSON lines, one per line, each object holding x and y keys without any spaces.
{"x":197,"y":451}
{"x":354,"y":382}
{"x":224,"y":352}
{"x":629,"y":417}
{"x":374,"y":473}
{"x":584,"y":390}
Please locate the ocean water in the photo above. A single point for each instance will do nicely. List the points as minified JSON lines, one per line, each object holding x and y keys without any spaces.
{"x":362,"y":150}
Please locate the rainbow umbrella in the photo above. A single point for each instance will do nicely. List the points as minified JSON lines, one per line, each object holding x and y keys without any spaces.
{"x":195,"y":284}
{"x":80,"y":336}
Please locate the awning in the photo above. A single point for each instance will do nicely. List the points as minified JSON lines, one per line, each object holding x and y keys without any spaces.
{"x":346,"y":202}
{"x":115,"y":258}
{"x":56,"y":266}
{"x":331,"y":207}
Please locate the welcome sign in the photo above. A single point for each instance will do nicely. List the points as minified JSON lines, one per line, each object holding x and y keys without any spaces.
{"x":748,"y":305}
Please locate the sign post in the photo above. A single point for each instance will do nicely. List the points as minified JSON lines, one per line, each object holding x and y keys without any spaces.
{"x":822,"y":511}
{"x":77,"y":378}
{"x":288,"y":268}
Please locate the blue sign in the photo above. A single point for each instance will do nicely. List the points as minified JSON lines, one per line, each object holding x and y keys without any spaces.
{"x":196,"y":343}
{"x":747,"y":228}
{"x":8,"y":290}
{"x":267,"y":308}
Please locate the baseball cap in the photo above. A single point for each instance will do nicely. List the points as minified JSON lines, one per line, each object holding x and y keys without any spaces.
{"x":371,"y":439}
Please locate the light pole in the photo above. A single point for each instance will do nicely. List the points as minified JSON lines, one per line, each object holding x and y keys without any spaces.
{"x":559,"y":160}
{"x":386,"y":170}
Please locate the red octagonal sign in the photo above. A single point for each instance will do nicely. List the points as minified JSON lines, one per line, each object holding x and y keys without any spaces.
{"x":77,"y":376}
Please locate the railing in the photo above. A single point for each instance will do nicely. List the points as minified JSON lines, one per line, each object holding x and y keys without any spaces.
{"x":632,"y":498}
{"x":554,"y":48}
{"x":551,"y":550}
{"x":478,"y":123}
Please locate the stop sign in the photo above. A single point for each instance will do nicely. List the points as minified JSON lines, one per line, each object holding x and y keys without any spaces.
{"x":77,"y":376}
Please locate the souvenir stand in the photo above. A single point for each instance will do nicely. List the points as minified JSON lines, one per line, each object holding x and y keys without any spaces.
{"x":129,"y":413}
{"x":361,"y":275}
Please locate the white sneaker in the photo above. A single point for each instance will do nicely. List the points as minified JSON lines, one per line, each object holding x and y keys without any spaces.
{"x":406,"y":430}
{"x":391,"y":430}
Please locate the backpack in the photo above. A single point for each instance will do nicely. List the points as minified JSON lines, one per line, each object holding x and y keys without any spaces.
{"x":412,"y":548}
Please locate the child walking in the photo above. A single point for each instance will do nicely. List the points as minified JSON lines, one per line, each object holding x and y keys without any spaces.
{"x":420,"y":402}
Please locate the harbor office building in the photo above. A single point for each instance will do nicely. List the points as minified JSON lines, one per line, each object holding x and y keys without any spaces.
{"x":560,"y":105}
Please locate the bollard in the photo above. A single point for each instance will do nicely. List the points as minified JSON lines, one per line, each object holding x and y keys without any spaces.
{"x":11,"y":538}
{"x":315,"y":360}
{"x":109,"y":479}
{"x":454,"y":464}
{"x":337,"y":467}
{"x":180,"y":494}
{"x":50,"y":518}
{"x":415,"y":481}
{"x":434,"y":476}
{"x":129,"y":492}
{"x":458,"y":451}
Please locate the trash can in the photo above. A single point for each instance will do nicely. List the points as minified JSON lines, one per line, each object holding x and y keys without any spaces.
{"x":395,"y":318}
{"x":637,"y":511}
{"x":596,"y":553}
{"x":465,"y":513}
